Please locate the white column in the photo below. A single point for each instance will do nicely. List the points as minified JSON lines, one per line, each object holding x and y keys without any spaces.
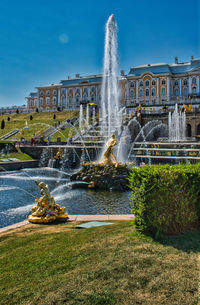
{"x":136,"y":90}
{"x":180,"y":94}
{"x":127,"y":92}
{"x":157,"y":91}
{"x":190,"y":84}
{"x":58,"y":96}
{"x":74,"y":98}
{"x":197,"y":77}
{"x":168,"y":88}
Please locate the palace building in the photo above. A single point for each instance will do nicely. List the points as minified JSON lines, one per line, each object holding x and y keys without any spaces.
{"x":152,"y":86}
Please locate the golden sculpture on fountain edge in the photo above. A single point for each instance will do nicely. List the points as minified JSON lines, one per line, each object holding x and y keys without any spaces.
{"x":46,"y":209}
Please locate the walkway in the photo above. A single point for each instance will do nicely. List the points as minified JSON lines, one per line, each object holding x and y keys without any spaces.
{"x":76,"y":218}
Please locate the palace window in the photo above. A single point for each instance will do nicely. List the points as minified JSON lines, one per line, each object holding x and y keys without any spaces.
{"x":132,"y":94}
{"x":85,"y":98}
{"x":54,"y":100}
{"x":185,"y":82}
{"x":153,"y":82}
{"x":93,"y":98}
{"x":153,"y":92}
{"x":194,"y":80}
{"x":85,"y":90}
{"x":41,"y":109}
{"x":70,"y":91}
{"x":147,"y":92}
{"x":163,"y":91}
{"x":55,"y":92}
{"x":141,"y":92}
{"x":176,"y":82}
{"x":78,"y":91}
{"x":132,"y":84}
{"x":47,"y":109}
{"x":77,"y":99}
{"x":41,"y":92}
{"x":63,"y":100}
{"x":163,"y":82}
{"x":176,"y":92}
{"x":63,"y":91}
{"x":194,"y":90}
{"x":147,"y":83}
{"x":70,"y":99}
{"x":93,"y":89}
{"x":141,"y":84}
{"x":47,"y":92}
{"x":41,"y":101}
{"x":185,"y":92}
{"x":54,"y":108}
{"x":47,"y":100}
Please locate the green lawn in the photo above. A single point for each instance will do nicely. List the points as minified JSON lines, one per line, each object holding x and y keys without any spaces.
{"x":17,"y":155}
{"x":39,"y":123}
{"x":58,"y":264}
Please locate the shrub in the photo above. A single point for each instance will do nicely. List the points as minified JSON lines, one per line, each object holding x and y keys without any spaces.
{"x":8,"y":118}
{"x":31,"y":117}
{"x":54,"y":116}
{"x":166,"y":198}
{"x":17,"y":111}
{"x":2,"y":124}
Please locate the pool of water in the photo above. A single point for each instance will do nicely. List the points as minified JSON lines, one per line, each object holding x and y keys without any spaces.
{"x":18,"y":191}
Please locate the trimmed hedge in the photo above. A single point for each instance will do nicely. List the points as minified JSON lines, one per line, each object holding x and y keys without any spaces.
{"x":166,"y":199}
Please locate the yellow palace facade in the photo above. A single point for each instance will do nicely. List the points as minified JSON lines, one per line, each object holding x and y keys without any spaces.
{"x":152,"y":86}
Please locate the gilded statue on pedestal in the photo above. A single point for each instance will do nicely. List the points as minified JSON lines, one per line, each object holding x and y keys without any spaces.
{"x":46,"y":209}
{"x":109,"y":157}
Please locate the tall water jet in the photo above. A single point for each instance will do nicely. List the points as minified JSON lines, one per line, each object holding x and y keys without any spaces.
{"x":176,"y":123}
{"x":87,"y":115}
{"x":110,"y":88}
{"x":81,"y":117}
{"x":93,"y":116}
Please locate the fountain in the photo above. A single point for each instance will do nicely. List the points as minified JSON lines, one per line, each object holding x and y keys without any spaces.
{"x":110,"y":89}
{"x":176,"y":123}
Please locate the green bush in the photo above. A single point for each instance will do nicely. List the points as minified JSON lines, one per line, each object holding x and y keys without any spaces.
{"x":166,"y":199}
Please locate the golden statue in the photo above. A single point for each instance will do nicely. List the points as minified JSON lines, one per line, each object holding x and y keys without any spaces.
{"x":59,"y":154}
{"x":108,"y":153}
{"x":46,"y":209}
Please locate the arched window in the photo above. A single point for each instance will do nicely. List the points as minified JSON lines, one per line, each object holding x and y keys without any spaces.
{"x":185,"y":82}
{"x":185,"y":92}
{"x":163,"y":92}
{"x":132,"y":94}
{"x":188,"y":130}
{"x":141,"y":84}
{"x":47,"y":100}
{"x":153,"y":82}
{"x":78,"y":91}
{"x":41,"y":101}
{"x":41,"y":92}
{"x":93,"y":89}
{"x":194,"y":80}
{"x":141,"y":92}
{"x":147,"y":92}
{"x":132,"y":84}
{"x":176,"y":92}
{"x":47,"y":92}
{"x":47,"y":109}
{"x":92,"y":98}
{"x":70,"y":91}
{"x":77,"y":99}
{"x":70,"y":99}
{"x":54,"y":100}
{"x":85,"y":90}
{"x":176,"y":82}
{"x":153,"y":92}
{"x":194,"y":90}
{"x":198,"y":129}
{"x":147,"y":83}
{"x":55,"y":92}
{"x":63,"y":91}
{"x":85,"y":98}
{"x":163,"y":82}
{"x":41,"y":109}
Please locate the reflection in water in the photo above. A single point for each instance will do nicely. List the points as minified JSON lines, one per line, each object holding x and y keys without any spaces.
{"x":17,"y":191}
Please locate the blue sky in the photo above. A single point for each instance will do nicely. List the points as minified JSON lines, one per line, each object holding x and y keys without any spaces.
{"x":44,"y":41}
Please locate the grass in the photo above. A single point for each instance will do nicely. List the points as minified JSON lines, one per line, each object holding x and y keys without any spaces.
{"x":21,"y":156}
{"x":38,"y":124}
{"x":58,"y":264}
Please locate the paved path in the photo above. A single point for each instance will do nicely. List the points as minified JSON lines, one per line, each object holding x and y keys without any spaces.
{"x":76,"y":218}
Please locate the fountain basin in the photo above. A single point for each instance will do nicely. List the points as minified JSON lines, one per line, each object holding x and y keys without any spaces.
{"x":104,"y":177}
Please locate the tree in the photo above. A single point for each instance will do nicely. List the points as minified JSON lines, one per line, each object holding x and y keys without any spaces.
{"x":31,"y":117}
{"x":17,"y":111}
{"x":54,"y":116}
{"x":2,"y":124}
{"x":8,"y":118}
{"x":58,"y":108}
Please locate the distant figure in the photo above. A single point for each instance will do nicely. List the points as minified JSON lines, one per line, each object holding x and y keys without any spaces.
{"x":49,"y":140}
